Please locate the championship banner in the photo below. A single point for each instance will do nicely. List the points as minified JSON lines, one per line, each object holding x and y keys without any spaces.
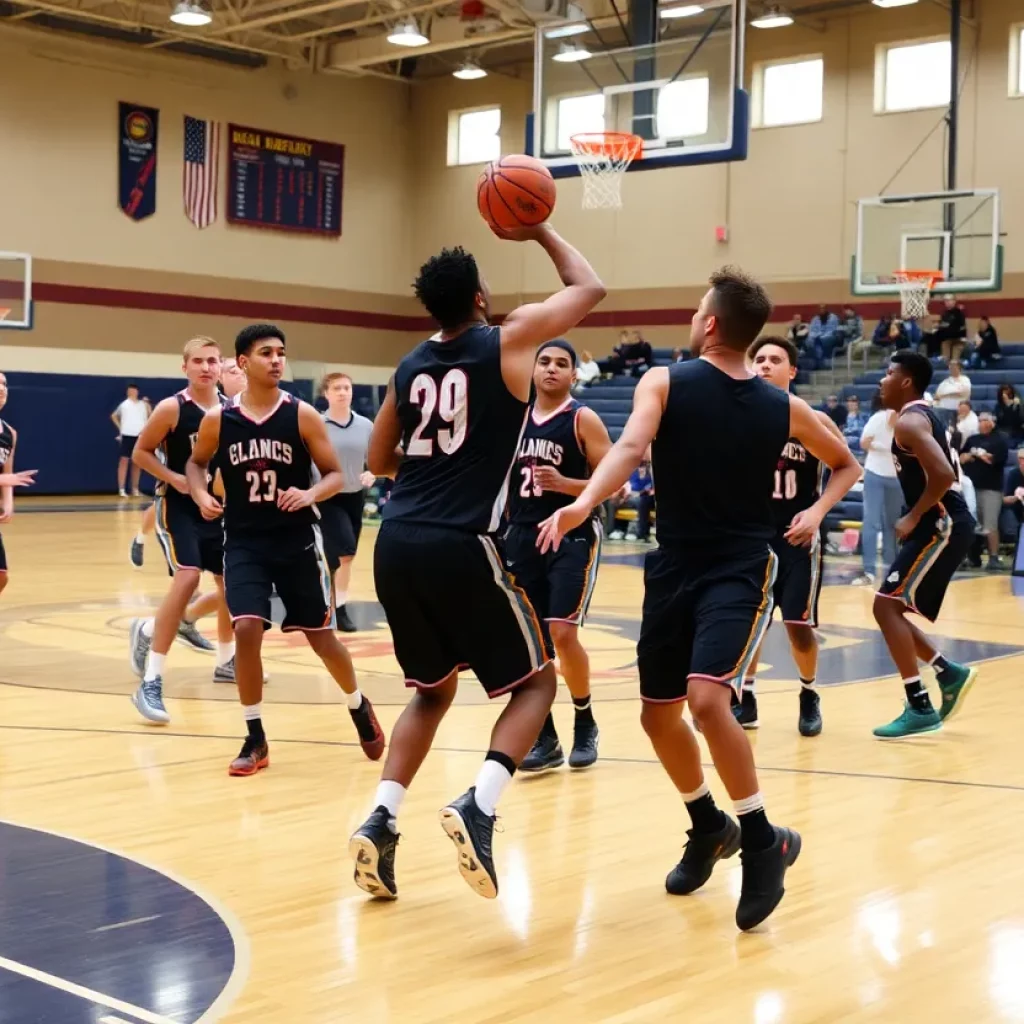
{"x":136,"y":159}
{"x":283,"y":181}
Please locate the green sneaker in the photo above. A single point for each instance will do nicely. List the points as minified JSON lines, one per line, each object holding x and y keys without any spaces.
{"x":955,"y":683}
{"x":910,"y":723}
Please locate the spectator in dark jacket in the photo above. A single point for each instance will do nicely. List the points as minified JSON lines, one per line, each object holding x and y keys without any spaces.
{"x":983,"y":458}
{"x":824,"y":334}
{"x":1010,"y":414}
{"x":632,"y":355}
{"x":834,"y":411}
{"x":986,"y":345}
{"x":798,"y":334}
{"x":948,"y":338}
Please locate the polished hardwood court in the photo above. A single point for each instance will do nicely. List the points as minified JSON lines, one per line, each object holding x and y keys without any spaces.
{"x":138,"y":882}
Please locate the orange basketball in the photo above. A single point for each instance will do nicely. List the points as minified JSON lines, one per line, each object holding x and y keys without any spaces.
{"x":517,"y":191}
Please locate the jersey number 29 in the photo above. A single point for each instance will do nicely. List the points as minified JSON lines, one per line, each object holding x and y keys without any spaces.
{"x":450,"y":400}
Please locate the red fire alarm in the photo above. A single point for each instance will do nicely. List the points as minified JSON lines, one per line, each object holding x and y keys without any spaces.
{"x":472,"y":9}
{"x":721,"y":233}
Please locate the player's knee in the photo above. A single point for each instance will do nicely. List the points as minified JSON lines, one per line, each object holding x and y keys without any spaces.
{"x":885,"y":609}
{"x":802,"y":638}
{"x":543,"y":683}
{"x":347,"y":559}
{"x":563,"y":634}
{"x":656,"y":718}
{"x":707,"y":699}
{"x":248,"y":631}
{"x":324,"y":641}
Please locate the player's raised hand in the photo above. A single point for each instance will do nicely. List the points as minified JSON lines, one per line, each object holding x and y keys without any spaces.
{"x":293,"y":499}
{"x":23,"y":478}
{"x":519,"y":234}
{"x":803,"y":529}
{"x":554,"y":528}
{"x":209,"y":506}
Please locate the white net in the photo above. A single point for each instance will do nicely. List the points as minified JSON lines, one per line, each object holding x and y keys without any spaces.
{"x":603,"y":158}
{"x":915,"y":294}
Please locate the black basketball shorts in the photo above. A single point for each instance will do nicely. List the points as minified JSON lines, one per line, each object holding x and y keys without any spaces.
{"x":290,"y":561}
{"x":3,"y":556}
{"x":704,"y":617}
{"x":127,"y":445}
{"x":798,"y":582}
{"x":925,"y":564}
{"x":187,"y":540}
{"x":559,"y":584}
{"x":341,"y":520}
{"x":451,"y":604}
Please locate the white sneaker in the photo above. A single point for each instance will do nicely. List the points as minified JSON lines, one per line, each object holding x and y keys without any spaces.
{"x":616,"y":535}
{"x":864,"y":579}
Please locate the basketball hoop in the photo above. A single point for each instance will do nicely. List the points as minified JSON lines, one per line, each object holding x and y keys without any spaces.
{"x":603,"y":158}
{"x":916,"y":291}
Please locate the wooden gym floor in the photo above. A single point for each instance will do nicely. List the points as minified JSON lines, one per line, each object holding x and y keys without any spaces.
{"x":139,"y":883}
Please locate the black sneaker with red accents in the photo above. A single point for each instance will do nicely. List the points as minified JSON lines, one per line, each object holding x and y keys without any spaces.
{"x":764,"y":872}
{"x":703,"y":851}
{"x":253,"y":757}
{"x":371,"y":735}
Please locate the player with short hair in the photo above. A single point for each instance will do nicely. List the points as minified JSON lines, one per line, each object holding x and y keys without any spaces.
{"x":562,"y":443}
{"x":716,"y":431}
{"x":448,"y":432}
{"x":798,"y":507}
{"x":8,"y":478}
{"x":936,"y":533}
{"x":266,"y":443}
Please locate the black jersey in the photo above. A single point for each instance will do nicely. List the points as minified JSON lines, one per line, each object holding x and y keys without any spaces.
{"x":259,"y":459}
{"x":715,"y":457}
{"x":460,"y":433}
{"x":6,"y":443}
{"x":797,"y":483}
{"x":178,"y":444}
{"x":551,"y":440}
{"x":912,"y":476}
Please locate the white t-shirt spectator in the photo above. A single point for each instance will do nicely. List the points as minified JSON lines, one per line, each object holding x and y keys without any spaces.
{"x":952,"y":391}
{"x":132,"y":416}
{"x":877,"y":443}
{"x":968,"y":427}
{"x":588,"y":371}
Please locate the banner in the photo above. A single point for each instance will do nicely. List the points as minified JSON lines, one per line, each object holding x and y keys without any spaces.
{"x":284,"y":182}
{"x":136,"y":159}
{"x":202,"y":164}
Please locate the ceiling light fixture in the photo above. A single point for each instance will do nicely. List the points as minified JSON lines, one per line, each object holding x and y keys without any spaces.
{"x":893,"y":3}
{"x":407,"y":33}
{"x":570,"y":53}
{"x":685,"y":11}
{"x":574,"y":28}
{"x":773,"y":17}
{"x":469,"y":70}
{"x":191,"y":14}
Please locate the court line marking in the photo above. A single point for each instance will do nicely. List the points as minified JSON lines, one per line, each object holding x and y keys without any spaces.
{"x":236,"y":930}
{"x":127,"y":924}
{"x":63,"y":985}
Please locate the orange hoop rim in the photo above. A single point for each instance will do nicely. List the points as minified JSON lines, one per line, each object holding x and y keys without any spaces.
{"x":931,"y":276}
{"x":617,"y":145}
{"x":4,"y":310}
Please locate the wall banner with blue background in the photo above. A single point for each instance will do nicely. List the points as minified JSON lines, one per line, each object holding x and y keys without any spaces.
{"x":136,"y":159}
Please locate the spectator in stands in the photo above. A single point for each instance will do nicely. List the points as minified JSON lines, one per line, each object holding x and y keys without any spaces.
{"x":129,"y":418}
{"x":983,"y":458}
{"x":910,"y":332}
{"x":824,"y":333}
{"x":835,"y":412}
{"x":587,"y":371}
{"x":851,"y":326}
{"x":1013,"y":491}
{"x":883,"y":496}
{"x":678,"y":356}
{"x":882,"y":335}
{"x":1010,"y":414}
{"x":855,"y":423}
{"x":966,"y":422}
{"x":632,"y":355}
{"x":638,"y":494}
{"x":949,"y":337}
{"x":798,"y":333}
{"x":956,"y":388}
{"x":985,"y":350}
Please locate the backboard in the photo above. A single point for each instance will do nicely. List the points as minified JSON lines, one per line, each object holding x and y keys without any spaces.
{"x":681,"y":93}
{"x":15,"y":291}
{"x":956,"y":233}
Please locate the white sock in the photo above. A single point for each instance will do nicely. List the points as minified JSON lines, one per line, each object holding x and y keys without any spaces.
{"x":147,"y":629}
{"x":490,"y":784}
{"x":390,"y":795}
{"x":748,"y":684}
{"x":354,"y":700}
{"x":341,"y":598}
{"x":938,"y":654}
{"x":140,"y":538}
{"x":807,"y":684}
{"x":225,"y":652}
{"x":750,"y":803}
{"x":252,"y":711}
{"x":154,"y":666}
{"x":701,"y":790}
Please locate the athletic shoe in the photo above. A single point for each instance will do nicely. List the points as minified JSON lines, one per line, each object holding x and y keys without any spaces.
{"x":910,"y":723}
{"x":862,"y":579}
{"x":702,"y":852}
{"x":344,"y":623}
{"x":253,"y":757}
{"x":545,"y":755}
{"x":745,"y":710}
{"x":955,"y":683}
{"x":149,"y":701}
{"x":372,"y":848}
{"x":995,"y":564}
{"x":763,"y":875}
{"x":810,"y":712}
{"x":472,"y":831}
{"x":585,"y":735}
{"x":371,"y":735}
{"x":137,"y":554}
{"x":138,"y":646}
{"x":189,"y":635}
{"x":226,"y":673}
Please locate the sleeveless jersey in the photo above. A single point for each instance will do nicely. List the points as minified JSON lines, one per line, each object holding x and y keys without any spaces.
{"x":460,"y":433}
{"x":550,"y":440}
{"x":6,"y":442}
{"x":797,"y":483}
{"x":259,"y":459}
{"x":177,"y":446}
{"x":912,"y":476}
{"x":715,"y":458}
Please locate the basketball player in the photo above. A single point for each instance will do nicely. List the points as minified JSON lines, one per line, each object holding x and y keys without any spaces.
{"x":266,"y":443}
{"x":8,"y":478}
{"x":190,"y":543}
{"x":716,"y":432}
{"x":798,"y":505}
{"x":562,"y":442}
{"x":936,"y":533}
{"x":457,"y":405}
{"x":342,"y":514}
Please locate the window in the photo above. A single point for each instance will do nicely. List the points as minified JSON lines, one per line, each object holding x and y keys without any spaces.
{"x":575,"y":114}
{"x":474,"y":136}
{"x":1017,"y":60}
{"x":789,"y":92}
{"x":683,"y":108}
{"x":913,"y":76}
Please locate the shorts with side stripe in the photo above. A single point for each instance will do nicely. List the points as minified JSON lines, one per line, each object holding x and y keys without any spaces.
{"x":559,"y":583}
{"x":925,"y":564}
{"x":704,"y":617}
{"x":187,"y":540}
{"x":798,"y":582}
{"x":3,"y":556}
{"x":451,"y":604}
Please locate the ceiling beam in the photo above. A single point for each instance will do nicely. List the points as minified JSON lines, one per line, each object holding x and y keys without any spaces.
{"x":373,"y":19}
{"x":387,"y":52}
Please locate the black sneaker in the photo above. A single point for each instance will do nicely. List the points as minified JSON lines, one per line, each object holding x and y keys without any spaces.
{"x":345,"y":624}
{"x":702,"y":852}
{"x":372,"y":848}
{"x":745,"y":710}
{"x":137,"y":554}
{"x":585,"y":735}
{"x":545,"y":755}
{"x":763,"y":875}
{"x":471,"y":831}
{"x":810,"y":712}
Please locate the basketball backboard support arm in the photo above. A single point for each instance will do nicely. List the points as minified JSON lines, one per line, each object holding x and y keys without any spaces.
{"x":16,"y":290}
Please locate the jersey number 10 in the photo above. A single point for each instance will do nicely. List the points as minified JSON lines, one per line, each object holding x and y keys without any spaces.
{"x":450,"y":400}
{"x":785,"y":485}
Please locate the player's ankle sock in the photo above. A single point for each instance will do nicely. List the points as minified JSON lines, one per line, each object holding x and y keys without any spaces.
{"x":147,"y":629}
{"x":806,"y":684}
{"x":495,"y":774}
{"x":140,"y":539}
{"x":154,"y":666}
{"x":548,"y":730}
{"x":756,"y":832}
{"x":917,"y":695}
{"x":939,"y":663}
{"x":254,"y":722}
{"x":749,"y":684}
{"x":584,"y":712}
{"x":225,"y":652}
{"x":390,"y":795}
{"x":354,"y":700}
{"x":341,"y":598}
{"x":704,"y":813}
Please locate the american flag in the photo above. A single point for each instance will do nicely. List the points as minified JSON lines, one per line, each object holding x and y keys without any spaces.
{"x":202,"y":164}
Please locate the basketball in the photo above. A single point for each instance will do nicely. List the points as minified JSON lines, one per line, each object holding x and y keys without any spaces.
{"x":517,"y":191}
